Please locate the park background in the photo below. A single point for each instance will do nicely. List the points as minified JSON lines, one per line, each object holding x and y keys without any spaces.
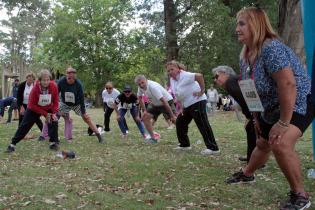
{"x":116,"y":40}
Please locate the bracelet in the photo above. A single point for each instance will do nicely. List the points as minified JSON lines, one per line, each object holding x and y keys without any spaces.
{"x":283,"y":124}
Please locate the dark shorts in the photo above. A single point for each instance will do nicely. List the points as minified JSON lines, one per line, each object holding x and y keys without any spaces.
{"x":298,"y":120}
{"x":157,"y":110}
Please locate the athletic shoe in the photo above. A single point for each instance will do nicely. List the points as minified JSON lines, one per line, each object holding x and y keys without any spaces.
{"x":41,"y":138}
{"x":296,"y":202}
{"x":10,"y":149}
{"x":127,"y":131}
{"x":150,"y":141}
{"x":243,"y":159}
{"x":210,"y":152}
{"x":179,"y":148}
{"x":100,"y":138}
{"x":54,"y":146}
{"x":239,"y":177}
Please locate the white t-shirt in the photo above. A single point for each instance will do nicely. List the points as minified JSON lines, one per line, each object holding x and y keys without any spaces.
{"x":106,"y":96}
{"x":155,"y":92}
{"x":212,"y":95}
{"x":184,"y":87}
{"x":27,"y":92}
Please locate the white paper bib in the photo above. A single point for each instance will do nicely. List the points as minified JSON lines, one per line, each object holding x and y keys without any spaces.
{"x":44,"y":100}
{"x":69,"y":97}
{"x":250,"y":95}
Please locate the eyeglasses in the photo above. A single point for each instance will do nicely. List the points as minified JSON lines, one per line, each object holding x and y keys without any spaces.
{"x":109,"y":88}
{"x":215,"y":77}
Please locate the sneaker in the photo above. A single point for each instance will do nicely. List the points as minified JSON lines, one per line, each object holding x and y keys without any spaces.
{"x":179,"y":148}
{"x":127,"y":131}
{"x":296,"y":202}
{"x":239,"y":177}
{"x":10,"y":149}
{"x":100,"y":138}
{"x":243,"y":159}
{"x":150,"y":141}
{"x":54,"y":146}
{"x":41,"y":138}
{"x":210,"y":152}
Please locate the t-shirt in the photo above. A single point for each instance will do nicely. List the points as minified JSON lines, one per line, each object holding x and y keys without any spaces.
{"x":155,"y":92}
{"x":184,"y":86}
{"x":26,"y":94}
{"x":127,"y":102}
{"x":212,"y":95}
{"x":72,"y":94}
{"x":113,"y":95}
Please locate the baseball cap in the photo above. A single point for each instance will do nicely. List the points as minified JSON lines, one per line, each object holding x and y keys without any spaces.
{"x":127,"y":88}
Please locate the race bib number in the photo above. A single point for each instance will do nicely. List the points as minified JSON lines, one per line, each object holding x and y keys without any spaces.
{"x":127,"y":106}
{"x":250,"y":95}
{"x":69,"y":97}
{"x":44,"y":100}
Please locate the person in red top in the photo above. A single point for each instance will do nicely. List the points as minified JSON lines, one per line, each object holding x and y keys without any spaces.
{"x":43,"y":101}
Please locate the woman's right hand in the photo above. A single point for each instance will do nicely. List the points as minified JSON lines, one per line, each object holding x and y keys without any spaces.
{"x":22,"y":110}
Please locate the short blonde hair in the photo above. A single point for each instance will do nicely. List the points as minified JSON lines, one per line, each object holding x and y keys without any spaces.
{"x":260,"y":28}
{"x":176,"y":63}
{"x":44,"y":72}
{"x":30,"y":74}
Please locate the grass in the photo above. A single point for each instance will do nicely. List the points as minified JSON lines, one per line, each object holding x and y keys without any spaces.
{"x":127,"y":174}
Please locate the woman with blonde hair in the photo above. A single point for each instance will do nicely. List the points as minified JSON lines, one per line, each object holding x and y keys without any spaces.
{"x":282,"y":110}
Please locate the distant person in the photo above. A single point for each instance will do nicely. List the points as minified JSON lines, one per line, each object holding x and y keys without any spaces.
{"x":127,"y":100}
{"x":72,"y":98}
{"x":213,"y":98}
{"x":43,"y":101}
{"x":161,"y":101}
{"x":8,"y":101}
{"x":14,"y":94}
{"x":109,"y":96}
{"x":189,"y":88}
{"x":24,"y":91}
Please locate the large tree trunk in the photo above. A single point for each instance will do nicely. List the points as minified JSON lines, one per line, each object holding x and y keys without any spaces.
{"x":170,"y":13}
{"x":290,"y":26}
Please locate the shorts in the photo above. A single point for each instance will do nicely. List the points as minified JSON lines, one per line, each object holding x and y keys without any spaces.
{"x":66,"y":109}
{"x":300,"y":121}
{"x":157,"y":110}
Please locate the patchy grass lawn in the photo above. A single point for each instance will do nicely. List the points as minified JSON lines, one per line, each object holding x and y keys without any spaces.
{"x":127,"y":174}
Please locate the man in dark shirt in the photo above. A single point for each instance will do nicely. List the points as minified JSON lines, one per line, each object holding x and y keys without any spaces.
{"x":225,"y":77}
{"x":128,"y":101}
{"x":14,"y":94}
{"x":72,"y":98}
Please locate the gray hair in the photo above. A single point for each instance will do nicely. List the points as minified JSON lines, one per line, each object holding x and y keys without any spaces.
{"x":139,"y":78}
{"x":223,"y":69}
{"x":44,"y":72}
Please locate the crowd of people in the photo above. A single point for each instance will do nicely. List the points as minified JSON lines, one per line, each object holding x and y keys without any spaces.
{"x":272,"y":91}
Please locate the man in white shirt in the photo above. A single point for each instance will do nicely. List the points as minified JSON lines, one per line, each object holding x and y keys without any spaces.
{"x":160,"y":99}
{"x":213,"y":98}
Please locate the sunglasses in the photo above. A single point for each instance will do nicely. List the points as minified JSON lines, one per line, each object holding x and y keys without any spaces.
{"x":215,"y":77}
{"x":69,"y":72}
{"x":109,"y":88}
{"x":127,"y":91}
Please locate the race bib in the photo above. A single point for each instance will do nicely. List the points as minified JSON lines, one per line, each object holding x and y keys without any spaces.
{"x":127,"y":106}
{"x":44,"y":100}
{"x":250,"y":95}
{"x":69,"y":97}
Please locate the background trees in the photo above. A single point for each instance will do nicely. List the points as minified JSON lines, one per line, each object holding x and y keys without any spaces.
{"x":118,"y":39}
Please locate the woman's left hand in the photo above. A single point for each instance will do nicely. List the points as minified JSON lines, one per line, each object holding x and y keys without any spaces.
{"x":276,"y":133}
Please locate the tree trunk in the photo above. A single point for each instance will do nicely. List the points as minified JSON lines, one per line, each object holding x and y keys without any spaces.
{"x":170,"y":13}
{"x":290,"y":26}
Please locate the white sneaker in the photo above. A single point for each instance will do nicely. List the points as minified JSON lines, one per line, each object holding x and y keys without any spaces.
{"x":182,"y":148}
{"x":210,"y":152}
{"x":127,"y":131}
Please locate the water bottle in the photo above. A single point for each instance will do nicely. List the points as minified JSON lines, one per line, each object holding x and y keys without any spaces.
{"x":311,"y":173}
